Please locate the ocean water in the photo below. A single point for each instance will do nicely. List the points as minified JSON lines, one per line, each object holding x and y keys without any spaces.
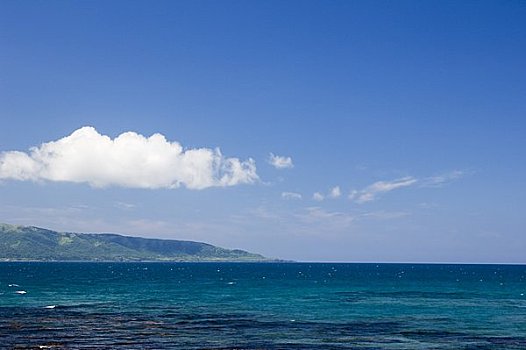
{"x":261,"y":306}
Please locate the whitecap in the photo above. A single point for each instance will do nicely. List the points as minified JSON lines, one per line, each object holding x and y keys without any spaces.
{"x":21,"y":292}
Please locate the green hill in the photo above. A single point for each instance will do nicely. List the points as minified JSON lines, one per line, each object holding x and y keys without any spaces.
{"x":28,"y":243}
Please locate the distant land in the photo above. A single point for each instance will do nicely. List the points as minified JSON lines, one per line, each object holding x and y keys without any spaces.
{"x":29,"y":243}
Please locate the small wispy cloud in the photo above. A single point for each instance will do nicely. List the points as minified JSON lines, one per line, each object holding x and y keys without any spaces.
{"x":124,"y":205}
{"x":442,"y":179}
{"x":280,"y":162}
{"x":130,"y":160}
{"x":371,"y":192}
{"x":335,"y":192}
{"x":317,"y":196}
{"x":291,"y":195}
{"x":329,"y":219}
{"x":332,"y":193}
{"x":385,"y":215}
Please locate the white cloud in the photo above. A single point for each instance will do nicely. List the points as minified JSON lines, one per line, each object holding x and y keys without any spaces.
{"x":371,"y":192}
{"x":365,"y":197}
{"x":386,"y":186}
{"x":318,"y":196}
{"x":335,"y":192}
{"x":280,"y":162}
{"x":129,"y":160}
{"x":291,"y":195}
{"x":385,"y":215}
{"x":353,"y":194}
{"x":332,"y":220}
{"x":437,"y":181}
{"x":124,"y":205}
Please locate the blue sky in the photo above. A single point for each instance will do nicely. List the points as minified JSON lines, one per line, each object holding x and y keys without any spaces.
{"x":404,"y":123}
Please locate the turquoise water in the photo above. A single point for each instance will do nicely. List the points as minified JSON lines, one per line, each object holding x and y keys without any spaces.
{"x":262,"y":306}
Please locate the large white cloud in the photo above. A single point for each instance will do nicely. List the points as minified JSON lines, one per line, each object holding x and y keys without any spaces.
{"x":129,"y":160}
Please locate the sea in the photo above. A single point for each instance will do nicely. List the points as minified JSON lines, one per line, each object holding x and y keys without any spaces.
{"x":79,"y":305}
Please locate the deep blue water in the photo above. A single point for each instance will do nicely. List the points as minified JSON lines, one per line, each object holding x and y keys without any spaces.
{"x":262,"y":306}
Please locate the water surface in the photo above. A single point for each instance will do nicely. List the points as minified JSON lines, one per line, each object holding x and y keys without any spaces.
{"x":262,"y":306}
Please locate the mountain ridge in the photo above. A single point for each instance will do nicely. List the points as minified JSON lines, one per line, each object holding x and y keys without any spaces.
{"x":31,"y":243}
